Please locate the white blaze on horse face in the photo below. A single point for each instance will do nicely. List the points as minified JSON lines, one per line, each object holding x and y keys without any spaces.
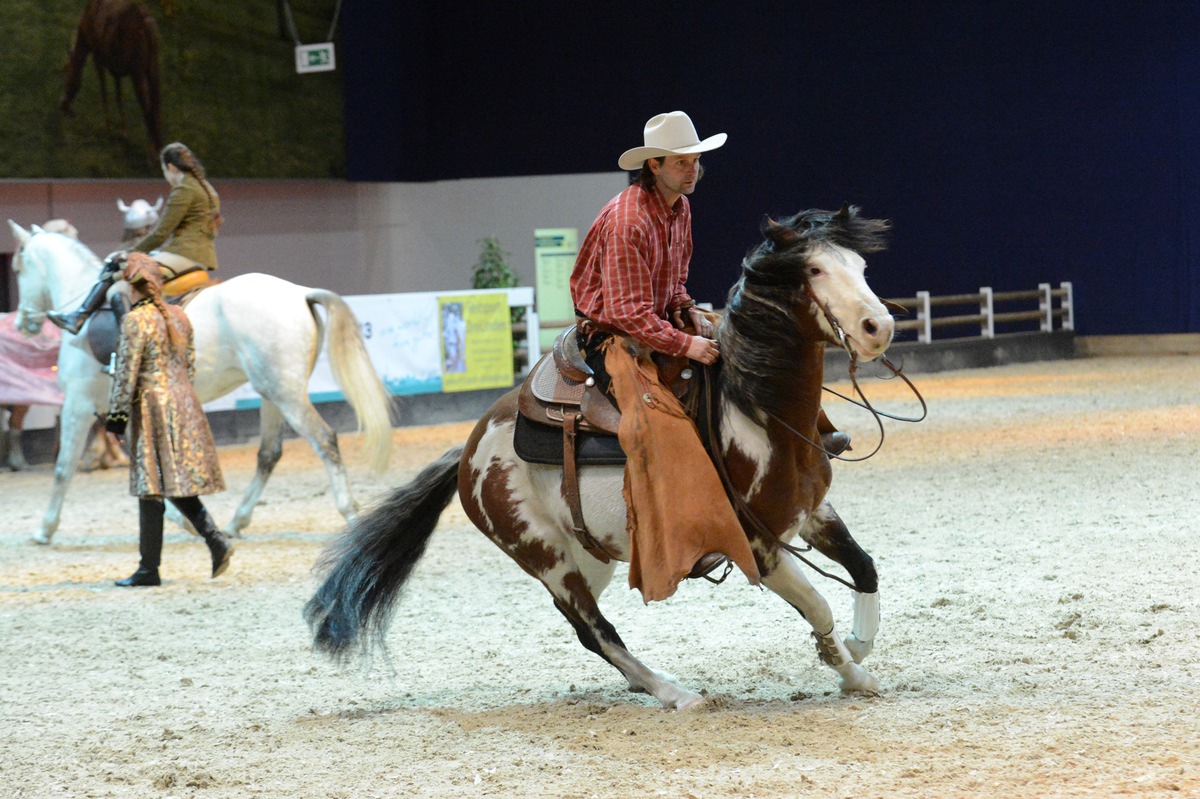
{"x":836,"y":277}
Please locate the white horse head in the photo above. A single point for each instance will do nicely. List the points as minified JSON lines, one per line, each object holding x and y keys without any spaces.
{"x":41,"y":286}
{"x":832,"y":246}
{"x":140,"y":216}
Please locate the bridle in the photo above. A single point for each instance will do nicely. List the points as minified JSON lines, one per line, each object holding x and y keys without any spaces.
{"x":743,"y":509}
{"x":862,"y":400}
{"x":31,"y":318}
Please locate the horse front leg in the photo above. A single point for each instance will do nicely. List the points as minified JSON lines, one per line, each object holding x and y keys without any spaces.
{"x":270,"y":449}
{"x":827,"y":533}
{"x":76,"y":419}
{"x":785,"y":578}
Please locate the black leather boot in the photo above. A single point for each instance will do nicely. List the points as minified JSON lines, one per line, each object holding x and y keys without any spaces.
{"x":219,"y":546}
{"x":150,"y":539}
{"x":835,"y":443}
{"x":141,"y":577}
{"x":73,"y":322}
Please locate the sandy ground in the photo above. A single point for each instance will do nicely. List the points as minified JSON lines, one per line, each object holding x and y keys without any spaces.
{"x":1037,"y":544}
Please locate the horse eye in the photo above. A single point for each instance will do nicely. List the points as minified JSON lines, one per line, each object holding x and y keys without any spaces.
{"x":813,"y":271}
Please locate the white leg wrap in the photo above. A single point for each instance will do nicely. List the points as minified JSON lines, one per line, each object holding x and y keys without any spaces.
{"x":866,"y":616}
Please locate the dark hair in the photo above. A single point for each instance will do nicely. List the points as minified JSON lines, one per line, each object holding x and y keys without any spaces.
{"x":178,"y":155}
{"x":645,"y":176}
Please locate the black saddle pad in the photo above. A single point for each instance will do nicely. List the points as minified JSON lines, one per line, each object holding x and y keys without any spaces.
{"x":102,"y":334}
{"x":541,"y":443}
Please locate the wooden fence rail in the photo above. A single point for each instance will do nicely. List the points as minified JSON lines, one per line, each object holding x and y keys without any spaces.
{"x":986,"y":300}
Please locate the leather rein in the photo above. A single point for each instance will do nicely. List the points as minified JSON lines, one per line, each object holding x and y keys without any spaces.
{"x":743,"y":509}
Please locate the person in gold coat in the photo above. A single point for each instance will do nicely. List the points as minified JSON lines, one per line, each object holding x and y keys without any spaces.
{"x":170,"y":443}
{"x":184,"y":240}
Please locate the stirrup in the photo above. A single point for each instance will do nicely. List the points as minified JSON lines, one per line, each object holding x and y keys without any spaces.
{"x":708,"y":564}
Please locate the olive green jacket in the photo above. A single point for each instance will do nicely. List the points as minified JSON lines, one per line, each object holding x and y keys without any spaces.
{"x":188,"y":225}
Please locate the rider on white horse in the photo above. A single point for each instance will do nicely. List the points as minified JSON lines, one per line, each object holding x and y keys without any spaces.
{"x":190,"y":223}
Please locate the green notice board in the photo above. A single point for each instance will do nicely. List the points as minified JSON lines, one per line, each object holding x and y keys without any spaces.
{"x":554,"y":257}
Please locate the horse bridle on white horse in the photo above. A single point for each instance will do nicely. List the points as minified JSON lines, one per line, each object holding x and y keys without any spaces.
{"x":29,"y":319}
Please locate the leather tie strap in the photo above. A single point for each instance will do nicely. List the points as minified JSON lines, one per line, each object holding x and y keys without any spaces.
{"x":571,"y":421}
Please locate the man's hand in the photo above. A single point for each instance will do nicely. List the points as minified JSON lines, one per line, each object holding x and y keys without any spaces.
{"x":702,"y":322}
{"x":703,"y":350}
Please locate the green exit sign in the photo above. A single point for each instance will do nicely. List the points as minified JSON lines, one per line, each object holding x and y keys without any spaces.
{"x":315,"y":58}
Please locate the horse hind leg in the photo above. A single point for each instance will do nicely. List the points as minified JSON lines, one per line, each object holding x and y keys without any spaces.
{"x":305,"y":420}
{"x":578,"y":604}
{"x":828,"y":535}
{"x":270,"y":449}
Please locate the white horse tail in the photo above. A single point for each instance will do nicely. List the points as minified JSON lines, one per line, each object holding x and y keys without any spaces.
{"x":356,"y":376}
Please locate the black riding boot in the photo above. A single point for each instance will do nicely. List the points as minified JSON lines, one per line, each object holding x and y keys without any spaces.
{"x":219,"y":546}
{"x":150,"y":541}
{"x":73,"y":322}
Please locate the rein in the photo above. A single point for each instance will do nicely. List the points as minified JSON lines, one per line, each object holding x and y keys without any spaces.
{"x":743,"y":509}
{"x":740,"y":506}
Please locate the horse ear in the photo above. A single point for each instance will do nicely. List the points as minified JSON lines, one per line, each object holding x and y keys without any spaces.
{"x":121,"y":206}
{"x":780,"y":235}
{"x":21,"y":235}
{"x":847,"y":210}
{"x":158,"y":205}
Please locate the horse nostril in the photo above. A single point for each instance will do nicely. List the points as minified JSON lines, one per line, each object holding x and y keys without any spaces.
{"x":870,"y":328}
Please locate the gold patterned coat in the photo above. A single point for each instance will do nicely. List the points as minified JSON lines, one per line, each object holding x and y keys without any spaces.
{"x":169,"y":438}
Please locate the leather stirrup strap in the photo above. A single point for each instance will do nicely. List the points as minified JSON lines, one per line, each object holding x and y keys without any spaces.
{"x":570,"y":426}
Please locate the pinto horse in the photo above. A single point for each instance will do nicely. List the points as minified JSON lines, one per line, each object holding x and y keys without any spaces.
{"x":122,"y":39}
{"x":801,"y":288}
{"x":252,"y":327}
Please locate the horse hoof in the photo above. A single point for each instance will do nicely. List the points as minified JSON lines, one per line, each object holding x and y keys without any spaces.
{"x":858,"y":681}
{"x":40,"y":539}
{"x":694,"y":702}
{"x":858,"y":649}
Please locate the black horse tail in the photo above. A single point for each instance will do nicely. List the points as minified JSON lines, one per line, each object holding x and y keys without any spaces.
{"x":367,"y":565}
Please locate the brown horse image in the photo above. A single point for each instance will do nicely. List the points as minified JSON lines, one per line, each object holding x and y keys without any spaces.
{"x":122,"y":39}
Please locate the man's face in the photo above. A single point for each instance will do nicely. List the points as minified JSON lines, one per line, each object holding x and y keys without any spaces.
{"x":677,"y":174}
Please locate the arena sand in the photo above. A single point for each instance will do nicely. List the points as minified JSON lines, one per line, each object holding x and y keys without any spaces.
{"x":1036,"y":539}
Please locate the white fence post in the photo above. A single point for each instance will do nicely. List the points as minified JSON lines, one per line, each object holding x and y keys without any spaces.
{"x":987,"y":327}
{"x":1068,"y":306}
{"x":925,"y":332}
{"x":1046,"y":306}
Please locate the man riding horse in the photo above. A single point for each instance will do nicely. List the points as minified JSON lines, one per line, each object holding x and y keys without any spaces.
{"x":631,"y":301}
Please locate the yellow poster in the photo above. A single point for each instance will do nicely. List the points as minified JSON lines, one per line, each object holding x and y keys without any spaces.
{"x":476,"y":336}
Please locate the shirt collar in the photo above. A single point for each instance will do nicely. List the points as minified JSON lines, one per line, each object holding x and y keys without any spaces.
{"x":659,"y":204}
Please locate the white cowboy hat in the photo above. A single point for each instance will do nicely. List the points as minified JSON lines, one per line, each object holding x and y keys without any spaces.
{"x":669,"y":134}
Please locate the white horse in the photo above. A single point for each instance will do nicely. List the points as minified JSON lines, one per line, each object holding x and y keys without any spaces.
{"x":253,"y":327}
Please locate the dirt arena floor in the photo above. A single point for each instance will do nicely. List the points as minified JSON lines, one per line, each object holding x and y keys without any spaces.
{"x":1037,"y":542}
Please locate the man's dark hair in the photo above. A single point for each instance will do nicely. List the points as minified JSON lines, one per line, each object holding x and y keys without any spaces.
{"x":645,"y":178}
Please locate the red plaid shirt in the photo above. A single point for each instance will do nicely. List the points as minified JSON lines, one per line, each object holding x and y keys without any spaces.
{"x":630,"y":271}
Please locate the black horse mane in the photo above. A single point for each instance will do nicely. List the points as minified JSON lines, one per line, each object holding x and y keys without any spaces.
{"x":759,"y":330}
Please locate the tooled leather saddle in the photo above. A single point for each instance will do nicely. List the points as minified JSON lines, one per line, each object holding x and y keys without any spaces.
{"x":565,"y":418}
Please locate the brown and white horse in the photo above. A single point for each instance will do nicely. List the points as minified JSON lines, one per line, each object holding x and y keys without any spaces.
{"x":801,"y":288}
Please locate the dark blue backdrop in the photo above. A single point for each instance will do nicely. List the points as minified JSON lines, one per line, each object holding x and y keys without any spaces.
{"x":1011,"y":143}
